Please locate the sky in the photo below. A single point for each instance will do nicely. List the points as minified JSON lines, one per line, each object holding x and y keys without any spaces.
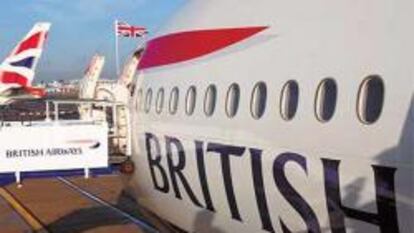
{"x":80,"y":28}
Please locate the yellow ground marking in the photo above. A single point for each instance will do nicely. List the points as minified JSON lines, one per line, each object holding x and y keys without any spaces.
{"x":22,"y":211}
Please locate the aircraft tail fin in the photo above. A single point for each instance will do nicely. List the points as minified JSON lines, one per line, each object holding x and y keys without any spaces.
{"x":92,"y":74}
{"x":130,"y":69}
{"x":18,"y":69}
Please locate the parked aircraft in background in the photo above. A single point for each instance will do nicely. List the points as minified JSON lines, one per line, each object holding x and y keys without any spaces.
{"x":128,"y":73}
{"x":120,"y":90}
{"x":18,"y":69}
{"x":278,"y":116}
{"x":87,"y":86}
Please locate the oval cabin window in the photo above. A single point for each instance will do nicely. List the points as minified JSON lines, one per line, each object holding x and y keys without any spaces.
{"x":139,"y":100}
{"x":190,"y":100}
{"x":232,"y":100}
{"x":148,"y":99}
{"x":210,"y":100}
{"x":289,"y":100}
{"x":370,"y":99}
{"x":174,"y":100}
{"x":258,"y":100}
{"x":160,"y":101}
{"x":326,"y":97}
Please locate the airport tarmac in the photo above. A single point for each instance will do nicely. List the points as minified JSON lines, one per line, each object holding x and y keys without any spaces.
{"x":62,"y":204}
{"x":67,"y":205}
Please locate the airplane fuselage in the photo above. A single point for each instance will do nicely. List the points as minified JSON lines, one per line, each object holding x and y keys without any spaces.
{"x":305,"y":125}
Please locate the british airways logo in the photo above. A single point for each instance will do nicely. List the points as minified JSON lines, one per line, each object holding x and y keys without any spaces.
{"x":184,"y":46}
{"x":92,"y":144}
{"x":168,"y":174}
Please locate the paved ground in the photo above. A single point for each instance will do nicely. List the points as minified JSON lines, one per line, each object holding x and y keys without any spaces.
{"x":58,"y":208}
{"x":10,"y":221}
{"x":50,"y":205}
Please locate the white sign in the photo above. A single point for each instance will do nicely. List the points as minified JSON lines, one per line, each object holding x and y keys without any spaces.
{"x":53,"y":147}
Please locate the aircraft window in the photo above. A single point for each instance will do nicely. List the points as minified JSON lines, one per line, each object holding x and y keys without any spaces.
{"x":190,"y":100}
{"x":210,"y":100}
{"x":370,"y":99}
{"x":232,"y":100}
{"x":258,"y":100}
{"x":174,"y":100}
{"x":289,"y":100}
{"x":139,"y":99}
{"x":160,"y":101}
{"x":148,"y":99}
{"x":325,"y":102}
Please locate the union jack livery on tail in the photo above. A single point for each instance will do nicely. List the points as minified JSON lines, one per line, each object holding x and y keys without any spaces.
{"x":18,"y":69}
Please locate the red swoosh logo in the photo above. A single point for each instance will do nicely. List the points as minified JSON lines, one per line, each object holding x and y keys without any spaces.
{"x":184,"y":46}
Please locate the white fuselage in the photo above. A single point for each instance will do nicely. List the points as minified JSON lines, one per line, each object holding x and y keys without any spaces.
{"x":242,"y":174}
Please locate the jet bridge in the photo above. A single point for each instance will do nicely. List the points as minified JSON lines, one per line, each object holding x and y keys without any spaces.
{"x":117,"y":115}
{"x":98,"y":138}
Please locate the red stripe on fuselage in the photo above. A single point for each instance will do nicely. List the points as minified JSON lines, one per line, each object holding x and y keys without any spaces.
{"x":30,"y":43}
{"x":11,"y":77}
{"x":184,"y":46}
